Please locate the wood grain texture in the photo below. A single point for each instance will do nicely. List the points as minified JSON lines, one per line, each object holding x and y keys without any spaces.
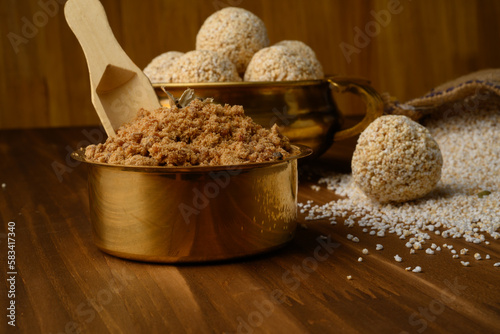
{"x":66,"y":285}
{"x":427,"y":42}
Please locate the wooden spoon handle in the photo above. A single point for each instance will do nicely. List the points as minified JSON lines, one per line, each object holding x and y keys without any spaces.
{"x":119,"y":87}
{"x":89,"y":23}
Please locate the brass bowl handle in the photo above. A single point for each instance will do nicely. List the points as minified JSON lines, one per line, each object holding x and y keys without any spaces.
{"x":373,"y":101}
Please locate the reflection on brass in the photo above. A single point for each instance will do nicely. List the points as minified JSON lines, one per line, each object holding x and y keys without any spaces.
{"x":191,"y":214}
{"x":304,"y":110}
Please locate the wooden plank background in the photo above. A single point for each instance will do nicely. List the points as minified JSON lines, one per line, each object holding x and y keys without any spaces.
{"x":44,"y":80}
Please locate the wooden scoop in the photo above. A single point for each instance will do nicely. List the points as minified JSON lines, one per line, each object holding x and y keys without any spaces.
{"x":119,"y":87}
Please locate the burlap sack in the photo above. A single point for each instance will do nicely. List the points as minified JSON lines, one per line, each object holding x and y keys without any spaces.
{"x":468,"y":93}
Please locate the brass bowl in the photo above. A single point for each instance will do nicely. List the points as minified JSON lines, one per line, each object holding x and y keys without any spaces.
{"x":305,"y":111}
{"x":192,"y":214}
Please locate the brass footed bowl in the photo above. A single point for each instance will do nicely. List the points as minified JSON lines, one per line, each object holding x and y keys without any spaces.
{"x":192,"y":214}
{"x":305,"y":111}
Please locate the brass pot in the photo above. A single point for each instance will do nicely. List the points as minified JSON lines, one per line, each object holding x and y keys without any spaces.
{"x":192,"y":214}
{"x":305,"y":111}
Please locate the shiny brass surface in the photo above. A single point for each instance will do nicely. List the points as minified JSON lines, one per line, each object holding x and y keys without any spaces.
{"x":304,"y":110}
{"x":192,"y":214}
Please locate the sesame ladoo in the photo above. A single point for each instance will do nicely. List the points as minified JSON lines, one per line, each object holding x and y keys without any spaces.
{"x":200,"y":134}
{"x":396,"y":159}
{"x":279,"y":63}
{"x":201,"y":66}
{"x":156,"y":69}
{"x":305,"y":51}
{"x":235,"y":33}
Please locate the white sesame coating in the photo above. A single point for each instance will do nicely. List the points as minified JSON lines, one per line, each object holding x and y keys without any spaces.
{"x":396,"y":159}
{"x":477,"y":256}
{"x":202,"y":66}
{"x":464,"y":263}
{"x":349,"y":277}
{"x":429,"y":251}
{"x":398,"y":258}
{"x":156,"y":69}
{"x":487,"y":257}
{"x":417,"y":269}
{"x":365,"y":251}
{"x":306,"y":52}
{"x":234,"y":32}
{"x":278,"y":63}
{"x":360,"y":259}
{"x":497,"y":264}
{"x":379,"y":247}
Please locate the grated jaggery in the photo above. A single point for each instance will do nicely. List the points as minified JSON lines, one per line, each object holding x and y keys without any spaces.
{"x":200,"y":134}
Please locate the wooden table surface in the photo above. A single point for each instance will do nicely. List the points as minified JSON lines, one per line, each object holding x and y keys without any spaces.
{"x":64,"y":284}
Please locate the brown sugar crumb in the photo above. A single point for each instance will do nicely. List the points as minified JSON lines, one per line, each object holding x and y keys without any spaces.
{"x":200,"y":134}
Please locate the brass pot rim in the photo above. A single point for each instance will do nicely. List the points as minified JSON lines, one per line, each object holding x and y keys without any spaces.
{"x":304,"y":151}
{"x":256,"y":84}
